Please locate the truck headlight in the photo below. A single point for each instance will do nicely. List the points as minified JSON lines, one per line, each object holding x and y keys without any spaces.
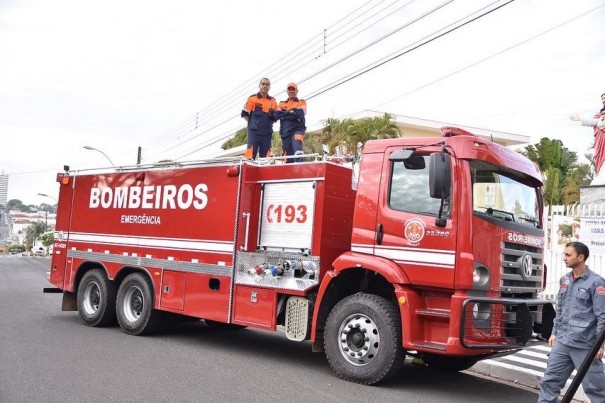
{"x":482,"y":311}
{"x":480,"y":276}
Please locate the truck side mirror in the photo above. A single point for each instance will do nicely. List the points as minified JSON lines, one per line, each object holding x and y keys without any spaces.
{"x":440,"y":175}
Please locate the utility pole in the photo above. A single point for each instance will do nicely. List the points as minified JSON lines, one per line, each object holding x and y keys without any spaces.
{"x":139,"y":156}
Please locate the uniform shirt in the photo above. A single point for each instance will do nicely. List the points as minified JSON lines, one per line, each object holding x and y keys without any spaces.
{"x":580,"y":310}
{"x":292,"y":115}
{"x":259,"y":110}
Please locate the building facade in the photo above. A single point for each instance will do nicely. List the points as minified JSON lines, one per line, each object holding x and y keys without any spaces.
{"x":3,"y":189}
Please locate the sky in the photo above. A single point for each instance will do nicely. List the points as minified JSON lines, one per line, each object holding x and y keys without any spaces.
{"x":172,"y":77}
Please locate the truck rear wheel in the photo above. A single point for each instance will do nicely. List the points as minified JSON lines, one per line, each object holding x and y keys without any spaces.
{"x":362,"y":339}
{"x":96,"y":299}
{"x":449,"y":363}
{"x":136,"y":315}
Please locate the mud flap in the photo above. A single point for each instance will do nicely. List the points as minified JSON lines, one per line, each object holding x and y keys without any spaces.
{"x":70,"y":301}
{"x":548,"y":317}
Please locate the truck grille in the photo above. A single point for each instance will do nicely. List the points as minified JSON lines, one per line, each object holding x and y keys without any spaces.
{"x":522,"y":270}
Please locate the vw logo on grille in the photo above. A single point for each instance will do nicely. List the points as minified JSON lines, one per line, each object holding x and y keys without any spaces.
{"x":526,"y":268}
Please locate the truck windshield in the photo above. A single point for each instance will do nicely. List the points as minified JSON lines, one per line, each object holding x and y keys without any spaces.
{"x":501,"y":194}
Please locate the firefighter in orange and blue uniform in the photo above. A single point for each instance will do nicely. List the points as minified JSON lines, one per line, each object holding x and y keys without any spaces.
{"x":258,"y":112}
{"x":292,"y":128}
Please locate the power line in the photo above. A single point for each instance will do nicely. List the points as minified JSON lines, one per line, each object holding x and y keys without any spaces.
{"x":333,"y":64}
{"x":228,"y":96}
{"x":418,"y":44}
{"x":405,"y":25}
{"x":424,"y":41}
{"x":492,"y":55}
{"x":214,"y":116}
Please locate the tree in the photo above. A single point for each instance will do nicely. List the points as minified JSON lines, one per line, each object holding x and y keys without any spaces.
{"x":348,"y":133}
{"x":32,"y":233}
{"x":47,"y":239}
{"x":50,"y":208}
{"x":557,"y":165}
{"x":239,"y":137}
{"x":15,"y":204}
{"x":581,"y":175}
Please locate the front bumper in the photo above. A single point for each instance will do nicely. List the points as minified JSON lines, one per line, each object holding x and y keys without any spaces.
{"x":504,"y":323}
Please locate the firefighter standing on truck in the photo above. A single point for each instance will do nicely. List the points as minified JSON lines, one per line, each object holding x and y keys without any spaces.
{"x":292,"y":128}
{"x":258,"y":112}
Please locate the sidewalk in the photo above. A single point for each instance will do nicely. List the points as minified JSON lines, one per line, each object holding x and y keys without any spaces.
{"x":524,"y":368}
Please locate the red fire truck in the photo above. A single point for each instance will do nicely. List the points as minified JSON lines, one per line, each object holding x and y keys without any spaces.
{"x":436,"y":252}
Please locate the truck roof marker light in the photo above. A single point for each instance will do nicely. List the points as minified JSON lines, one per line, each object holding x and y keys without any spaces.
{"x":450,"y":131}
{"x":233,"y":171}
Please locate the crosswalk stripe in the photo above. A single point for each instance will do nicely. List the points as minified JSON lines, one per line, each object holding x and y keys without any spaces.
{"x":529,"y":353}
{"x":540,"y":347}
{"x":513,"y":367}
{"x":522,"y":360}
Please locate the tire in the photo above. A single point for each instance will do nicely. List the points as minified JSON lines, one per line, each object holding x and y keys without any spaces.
{"x":97,"y":299}
{"x":136,"y":315}
{"x":362,"y":339}
{"x":448,"y":363}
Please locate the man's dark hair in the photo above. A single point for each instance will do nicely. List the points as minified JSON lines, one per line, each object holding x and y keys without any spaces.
{"x":581,"y":249}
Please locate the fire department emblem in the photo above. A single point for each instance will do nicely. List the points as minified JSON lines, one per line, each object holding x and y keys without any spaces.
{"x":414,"y":230}
{"x":526,"y":268}
{"x":601,"y":290}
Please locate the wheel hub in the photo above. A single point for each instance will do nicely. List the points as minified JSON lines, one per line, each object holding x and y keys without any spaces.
{"x":92,"y":298}
{"x":134,"y":304}
{"x":359,"y":339}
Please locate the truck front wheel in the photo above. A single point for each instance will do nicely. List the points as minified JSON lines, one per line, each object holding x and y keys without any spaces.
{"x":136,"y":315}
{"x":96,"y":299}
{"x":362,"y":339}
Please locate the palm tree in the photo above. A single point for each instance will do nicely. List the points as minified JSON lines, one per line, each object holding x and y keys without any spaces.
{"x":562,"y":174}
{"x":348,"y":133}
{"x":32,"y":233}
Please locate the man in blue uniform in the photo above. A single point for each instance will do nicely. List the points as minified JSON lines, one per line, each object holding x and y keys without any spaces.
{"x":258,"y":113}
{"x":292,"y":113}
{"x":580,"y":318}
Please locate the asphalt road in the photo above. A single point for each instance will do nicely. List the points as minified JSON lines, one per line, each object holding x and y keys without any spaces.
{"x":49,"y":356}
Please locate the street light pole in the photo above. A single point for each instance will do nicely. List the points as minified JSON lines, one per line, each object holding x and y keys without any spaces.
{"x":96,"y":149}
{"x":46,"y":219}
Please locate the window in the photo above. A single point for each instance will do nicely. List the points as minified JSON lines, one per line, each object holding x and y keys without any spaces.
{"x":409,"y":188}
{"x":503,"y":194}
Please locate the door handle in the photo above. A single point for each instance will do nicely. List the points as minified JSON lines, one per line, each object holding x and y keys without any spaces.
{"x":379,"y":234}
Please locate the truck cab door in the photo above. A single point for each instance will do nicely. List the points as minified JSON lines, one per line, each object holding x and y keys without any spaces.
{"x":408,"y":231}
